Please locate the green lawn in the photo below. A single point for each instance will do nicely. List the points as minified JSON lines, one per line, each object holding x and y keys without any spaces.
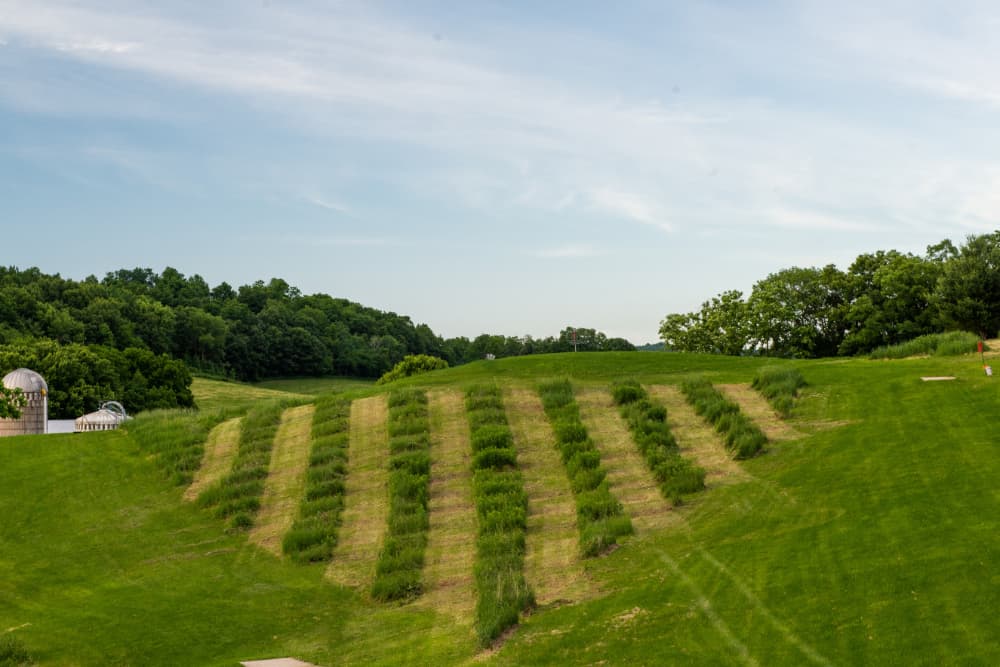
{"x":872,"y":540}
{"x":315,"y":386}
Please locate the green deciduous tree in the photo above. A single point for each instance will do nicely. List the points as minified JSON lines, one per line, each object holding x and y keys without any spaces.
{"x":968,"y":291}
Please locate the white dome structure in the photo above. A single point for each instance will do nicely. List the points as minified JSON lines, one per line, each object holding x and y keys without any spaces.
{"x":108,"y":418}
{"x":34,"y":418}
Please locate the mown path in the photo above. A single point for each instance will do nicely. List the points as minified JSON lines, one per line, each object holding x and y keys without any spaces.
{"x":450,"y":555}
{"x":366,"y":498}
{"x":286,"y":478}
{"x":760,"y":411}
{"x":696,"y":438}
{"x":220,"y":450}
{"x":552,"y":560}
{"x":629,"y":478}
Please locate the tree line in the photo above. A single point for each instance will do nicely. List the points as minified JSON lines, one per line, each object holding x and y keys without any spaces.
{"x":133,"y":320}
{"x":884,"y":298}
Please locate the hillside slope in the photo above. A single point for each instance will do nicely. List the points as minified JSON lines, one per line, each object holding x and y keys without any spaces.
{"x":872,"y":538}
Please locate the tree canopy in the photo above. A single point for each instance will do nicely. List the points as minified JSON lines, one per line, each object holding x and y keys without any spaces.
{"x":883,"y":298}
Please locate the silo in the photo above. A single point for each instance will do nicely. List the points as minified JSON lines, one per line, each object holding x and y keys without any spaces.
{"x":34,"y":418}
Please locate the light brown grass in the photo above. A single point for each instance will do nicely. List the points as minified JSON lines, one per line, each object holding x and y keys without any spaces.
{"x":630,"y":480}
{"x":552,"y":561}
{"x":697,"y":439}
{"x":366,"y":498}
{"x":451,"y":539}
{"x":286,"y":479}
{"x":760,"y":411}
{"x":220,"y":451}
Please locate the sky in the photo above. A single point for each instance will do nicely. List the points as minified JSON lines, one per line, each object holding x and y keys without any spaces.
{"x":494,"y":166}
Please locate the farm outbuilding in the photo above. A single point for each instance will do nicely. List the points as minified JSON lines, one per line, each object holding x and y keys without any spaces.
{"x":34,"y":418}
{"x":108,"y":418}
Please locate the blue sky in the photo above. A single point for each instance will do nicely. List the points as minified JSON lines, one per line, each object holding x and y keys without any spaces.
{"x":496,"y":167}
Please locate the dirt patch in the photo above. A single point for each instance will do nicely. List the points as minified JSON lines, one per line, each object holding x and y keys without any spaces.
{"x":366,"y":498}
{"x":286,"y":478}
{"x":220,"y":450}
{"x":552,"y":560}
{"x":629,"y":478}
{"x":450,"y":555}
{"x":697,"y":439}
{"x":760,"y":411}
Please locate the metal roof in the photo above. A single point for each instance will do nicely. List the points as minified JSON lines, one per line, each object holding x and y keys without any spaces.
{"x":26,"y":380}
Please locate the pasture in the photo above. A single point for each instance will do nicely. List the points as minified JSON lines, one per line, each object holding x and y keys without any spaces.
{"x":865,"y":531}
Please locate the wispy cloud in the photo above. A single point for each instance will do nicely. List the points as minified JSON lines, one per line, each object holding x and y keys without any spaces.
{"x":326,"y":203}
{"x":630,"y":206}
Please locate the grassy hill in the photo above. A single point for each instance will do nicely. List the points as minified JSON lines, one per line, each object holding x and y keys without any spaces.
{"x":866,"y":533}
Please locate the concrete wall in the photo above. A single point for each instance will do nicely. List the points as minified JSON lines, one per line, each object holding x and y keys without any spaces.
{"x":34,"y":418}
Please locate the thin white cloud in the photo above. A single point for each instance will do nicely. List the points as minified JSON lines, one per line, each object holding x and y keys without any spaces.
{"x":805,"y":219}
{"x":328,"y":204}
{"x":630,"y":206}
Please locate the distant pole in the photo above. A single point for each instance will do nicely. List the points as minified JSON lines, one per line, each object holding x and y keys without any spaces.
{"x":574,"y":340}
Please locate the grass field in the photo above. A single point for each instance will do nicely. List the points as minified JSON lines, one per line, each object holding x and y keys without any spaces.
{"x":870,"y":539}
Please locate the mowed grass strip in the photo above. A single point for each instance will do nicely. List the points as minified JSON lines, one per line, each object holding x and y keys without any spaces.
{"x":314,"y":533}
{"x":366,"y":503}
{"x":630,"y":480}
{"x":552,"y":564}
{"x":450,"y":553}
{"x":756,"y":407}
{"x":237,"y":495}
{"x":697,"y":439}
{"x":285,"y":481}
{"x":501,"y":510}
{"x":600,"y":516}
{"x":399,"y":568}
{"x":220,"y":450}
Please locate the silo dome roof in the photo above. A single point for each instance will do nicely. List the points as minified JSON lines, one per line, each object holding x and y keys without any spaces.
{"x":26,"y":380}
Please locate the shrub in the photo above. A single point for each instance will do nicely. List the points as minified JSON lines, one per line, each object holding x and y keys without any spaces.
{"x":594,"y":502}
{"x":780,"y":386}
{"x":627,"y":391}
{"x":740,"y":434}
{"x":413,"y":364}
{"x":401,"y":559}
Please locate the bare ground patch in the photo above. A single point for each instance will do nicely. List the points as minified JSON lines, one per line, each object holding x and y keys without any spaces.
{"x":366,"y":498}
{"x":760,"y":411}
{"x":286,"y":478}
{"x":697,"y":439}
{"x":220,"y":450}
{"x":552,"y":560}
{"x":630,"y":479}
{"x":448,"y":584}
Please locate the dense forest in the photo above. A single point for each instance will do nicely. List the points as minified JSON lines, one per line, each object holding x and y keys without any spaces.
{"x":134,"y":334}
{"x":883,"y":298}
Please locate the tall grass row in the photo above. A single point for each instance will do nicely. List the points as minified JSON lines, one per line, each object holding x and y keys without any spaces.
{"x":780,"y":386}
{"x":176,"y":438}
{"x":401,"y":558}
{"x":600,"y":517}
{"x":236,"y":497}
{"x":742,"y":437}
{"x":948,"y":344}
{"x":313,"y":536}
{"x":647,"y":421}
{"x":501,"y":511}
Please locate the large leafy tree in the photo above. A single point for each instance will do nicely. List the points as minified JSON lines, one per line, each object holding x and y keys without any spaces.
{"x":799,"y":312}
{"x":890,"y":300}
{"x":968,"y":291}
